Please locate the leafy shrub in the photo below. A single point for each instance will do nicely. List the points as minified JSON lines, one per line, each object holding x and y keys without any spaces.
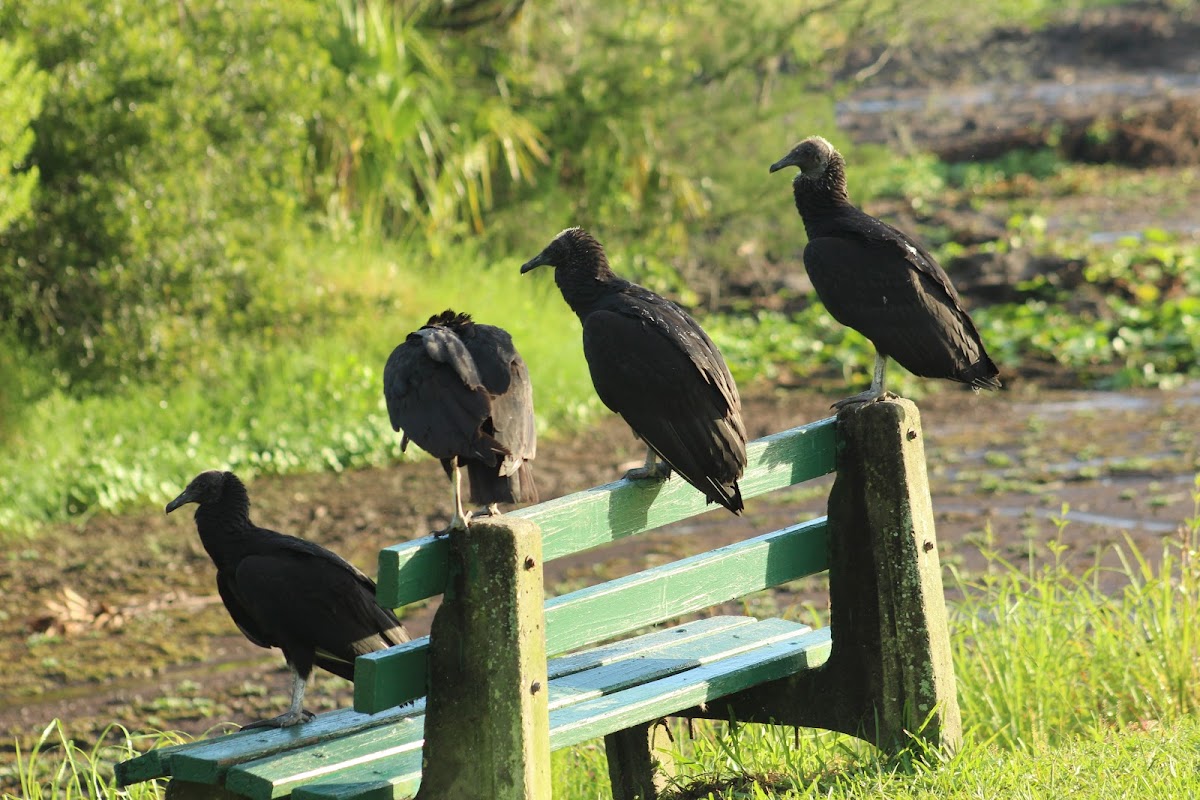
{"x":22,"y":86}
{"x":172,"y":144}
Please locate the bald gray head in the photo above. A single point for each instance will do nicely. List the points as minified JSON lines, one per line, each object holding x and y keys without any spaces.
{"x":822,"y":176}
{"x":812,"y":156}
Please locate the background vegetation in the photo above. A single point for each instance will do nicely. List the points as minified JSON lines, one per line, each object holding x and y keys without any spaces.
{"x":217,"y":218}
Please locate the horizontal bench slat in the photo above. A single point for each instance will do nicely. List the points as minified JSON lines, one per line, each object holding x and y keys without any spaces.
{"x":416,"y":570}
{"x":640,"y":645}
{"x":669,"y":659}
{"x":655,"y":656}
{"x":681,"y":587}
{"x":390,"y":779}
{"x":599,"y":716}
{"x":619,"y":710}
{"x":398,"y":674}
{"x":279,"y":775}
{"x":206,"y":761}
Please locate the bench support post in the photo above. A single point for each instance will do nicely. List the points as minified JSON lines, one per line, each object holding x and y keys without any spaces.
{"x":889,"y":678}
{"x":487,"y":727}
{"x":639,"y":761}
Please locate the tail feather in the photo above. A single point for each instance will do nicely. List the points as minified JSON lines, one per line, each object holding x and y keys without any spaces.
{"x":488,"y":486}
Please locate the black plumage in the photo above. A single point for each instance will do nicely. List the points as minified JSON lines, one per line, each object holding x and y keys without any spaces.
{"x":461,"y":391}
{"x":655,"y":366}
{"x":286,"y":592}
{"x":878,"y":281}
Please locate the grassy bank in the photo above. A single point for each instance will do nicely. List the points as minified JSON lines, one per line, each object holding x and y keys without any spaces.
{"x":304,"y":394}
{"x":1082,"y":683}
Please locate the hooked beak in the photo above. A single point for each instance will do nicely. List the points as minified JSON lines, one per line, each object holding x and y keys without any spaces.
{"x":183,"y":499}
{"x":786,"y":161}
{"x":533,"y":263}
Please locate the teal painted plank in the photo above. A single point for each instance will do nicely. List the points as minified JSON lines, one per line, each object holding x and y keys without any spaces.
{"x":640,"y":645}
{"x":387,"y":678}
{"x":207,"y":761}
{"x":391,"y":677}
{"x":145,"y":767}
{"x":397,"y":675}
{"x":653,"y":595}
{"x":389,"y":779}
{"x":279,"y":775}
{"x":669,"y":659}
{"x":415,"y":570}
{"x":619,"y":710}
{"x":393,"y":778}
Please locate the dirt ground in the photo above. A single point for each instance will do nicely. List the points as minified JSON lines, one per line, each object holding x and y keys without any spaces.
{"x":116,"y":619}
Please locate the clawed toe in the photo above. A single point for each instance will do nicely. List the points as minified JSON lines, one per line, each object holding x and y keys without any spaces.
{"x":285,"y":720}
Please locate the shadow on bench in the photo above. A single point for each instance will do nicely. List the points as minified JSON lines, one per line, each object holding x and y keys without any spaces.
{"x":496,"y":706}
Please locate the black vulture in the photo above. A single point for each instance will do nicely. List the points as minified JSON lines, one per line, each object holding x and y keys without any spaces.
{"x":876,"y":280}
{"x":461,"y":391}
{"x":656,"y":367}
{"x":286,"y":592}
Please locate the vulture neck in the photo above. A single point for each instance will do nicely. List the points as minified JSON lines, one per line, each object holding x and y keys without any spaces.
{"x":821,"y":198}
{"x":224,"y":526}
{"x":587,"y":282}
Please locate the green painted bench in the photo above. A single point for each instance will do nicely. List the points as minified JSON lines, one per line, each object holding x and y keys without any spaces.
{"x":474,"y":709}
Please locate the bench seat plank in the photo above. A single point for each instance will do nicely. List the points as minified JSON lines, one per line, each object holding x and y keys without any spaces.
{"x":611,"y":670}
{"x":276,"y":776}
{"x":397,"y":675}
{"x":639,"y":645}
{"x":415,"y":570}
{"x":206,"y":761}
{"x":598,"y":716}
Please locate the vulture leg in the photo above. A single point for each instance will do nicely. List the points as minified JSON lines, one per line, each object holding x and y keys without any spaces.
{"x":493,"y":509}
{"x":875,"y":392}
{"x":295,"y":713}
{"x":653,"y":469}
{"x":461,"y":518}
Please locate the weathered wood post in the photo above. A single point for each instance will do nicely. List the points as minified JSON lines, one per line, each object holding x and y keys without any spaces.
{"x":487,"y":725}
{"x":880,"y":502}
{"x":889,"y":677}
{"x":639,"y":761}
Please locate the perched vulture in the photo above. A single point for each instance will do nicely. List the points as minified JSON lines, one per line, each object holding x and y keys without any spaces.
{"x":461,"y":392}
{"x":286,"y":592}
{"x":656,"y":367}
{"x":878,"y":281}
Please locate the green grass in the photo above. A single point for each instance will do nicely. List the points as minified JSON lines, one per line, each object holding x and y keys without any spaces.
{"x":56,"y":768}
{"x":300,"y":396}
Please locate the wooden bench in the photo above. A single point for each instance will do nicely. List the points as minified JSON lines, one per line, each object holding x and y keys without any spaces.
{"x":473,"y":710}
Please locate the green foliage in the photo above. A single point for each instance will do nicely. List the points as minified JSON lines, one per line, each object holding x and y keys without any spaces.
{"x":431,"y":127}
{"x":56,"y":768}
{"x":304,"y":395}
{"x":172,"y":144}
{"x":22,"y":87}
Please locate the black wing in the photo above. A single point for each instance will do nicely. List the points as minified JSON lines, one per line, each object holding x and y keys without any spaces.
{"x":315,"y":606}
{"x":653,"y":364}
{"x":434,"y":394}
{"x":895,"y":294}
{"x":506,"y":378}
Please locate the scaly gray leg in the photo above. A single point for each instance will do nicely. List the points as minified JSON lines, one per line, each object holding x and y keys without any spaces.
{"x":875,"y":392}
{"x":653,"y":469}
{"x":295,"y":713}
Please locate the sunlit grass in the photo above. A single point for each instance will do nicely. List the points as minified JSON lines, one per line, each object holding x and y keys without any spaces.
{"x":301,"y":396}
{"x":56,"y":768}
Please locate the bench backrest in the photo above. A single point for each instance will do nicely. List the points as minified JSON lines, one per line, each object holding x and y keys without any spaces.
{"x":419,"y":569}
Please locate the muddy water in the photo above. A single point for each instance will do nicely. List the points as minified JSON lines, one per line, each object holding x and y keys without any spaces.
{"x":1002,"y":467}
